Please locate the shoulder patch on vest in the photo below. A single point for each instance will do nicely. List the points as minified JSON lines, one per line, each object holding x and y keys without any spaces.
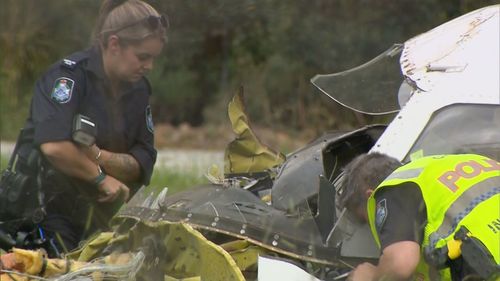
{"x":149,"y":120}
{"x":63,"y":89}
{"x":381,"y":213}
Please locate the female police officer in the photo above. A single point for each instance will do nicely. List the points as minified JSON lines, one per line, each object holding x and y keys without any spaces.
{"x":106,"y":84}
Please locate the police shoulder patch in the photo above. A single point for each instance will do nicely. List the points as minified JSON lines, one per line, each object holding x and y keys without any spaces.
{"x":381,"y":213}
{"x":149,"y":119}
{"x":63,"y":89}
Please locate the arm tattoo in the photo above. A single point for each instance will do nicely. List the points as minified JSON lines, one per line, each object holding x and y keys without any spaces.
{"x":123,"y":166}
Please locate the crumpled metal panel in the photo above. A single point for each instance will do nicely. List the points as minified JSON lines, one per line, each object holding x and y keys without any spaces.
{"x":246,"y":153}
{"x":239,"y":213}
{"x":297,"y":232}
{"x":298,"y":179}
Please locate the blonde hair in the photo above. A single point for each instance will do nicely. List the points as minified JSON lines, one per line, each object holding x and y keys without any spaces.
{"x":123,"y":18}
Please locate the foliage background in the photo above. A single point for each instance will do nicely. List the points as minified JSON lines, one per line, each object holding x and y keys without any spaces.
{"x":271,"y":47}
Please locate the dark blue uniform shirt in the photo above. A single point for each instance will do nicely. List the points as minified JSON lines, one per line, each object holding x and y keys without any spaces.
{"x":123,"y":124}
{"x":78,"y":85}
{"x":404,"y":215}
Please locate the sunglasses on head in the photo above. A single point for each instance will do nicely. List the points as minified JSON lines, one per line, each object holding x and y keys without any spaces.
{"x":152,"y":22}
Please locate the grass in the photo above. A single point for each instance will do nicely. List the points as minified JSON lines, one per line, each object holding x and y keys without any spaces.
{"x":4,"y":160}
{"x":176,"y":180}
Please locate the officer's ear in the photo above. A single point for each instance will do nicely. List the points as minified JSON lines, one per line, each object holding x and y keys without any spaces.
{"x":114,"y":46}
{"x":368,"y":192}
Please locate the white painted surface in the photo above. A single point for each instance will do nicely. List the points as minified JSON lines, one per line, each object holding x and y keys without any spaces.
{"x":273,"y":270}
{"x":457,"y":62}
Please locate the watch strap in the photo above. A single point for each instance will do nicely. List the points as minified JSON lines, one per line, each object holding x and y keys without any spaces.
{"x":100,"y":178}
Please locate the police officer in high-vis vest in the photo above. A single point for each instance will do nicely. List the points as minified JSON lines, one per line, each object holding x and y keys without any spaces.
{"x":88,"y":142}
{"x":435,"y":218}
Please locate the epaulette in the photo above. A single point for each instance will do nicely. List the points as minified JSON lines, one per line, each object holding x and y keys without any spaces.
{"x":74,"y":59}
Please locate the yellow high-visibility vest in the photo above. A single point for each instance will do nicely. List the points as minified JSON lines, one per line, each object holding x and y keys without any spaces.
{"x":458,"y":190}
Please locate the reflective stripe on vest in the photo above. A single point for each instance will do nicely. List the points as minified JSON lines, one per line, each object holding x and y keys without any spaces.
{"x":406,"y":174}
{"x":476,"y":194}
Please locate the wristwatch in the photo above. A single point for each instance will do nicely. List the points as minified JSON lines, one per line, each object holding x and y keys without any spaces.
{"x":100,"y":178}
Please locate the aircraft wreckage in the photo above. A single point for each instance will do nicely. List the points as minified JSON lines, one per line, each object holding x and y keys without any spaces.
{"x":270,"y":215}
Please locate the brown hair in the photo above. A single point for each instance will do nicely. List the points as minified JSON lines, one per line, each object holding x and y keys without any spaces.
{"x":364,"y":172}
{"x":125,"y":18}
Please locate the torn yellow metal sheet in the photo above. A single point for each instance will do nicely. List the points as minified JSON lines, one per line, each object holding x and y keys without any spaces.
{"x":246,"y":153}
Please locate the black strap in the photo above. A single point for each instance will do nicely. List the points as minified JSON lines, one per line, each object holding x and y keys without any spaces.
{"x":25,"y":135}
{"x":476,"y":255}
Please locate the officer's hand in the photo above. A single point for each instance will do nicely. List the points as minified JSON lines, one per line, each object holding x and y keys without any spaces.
{"x":111,"y":189}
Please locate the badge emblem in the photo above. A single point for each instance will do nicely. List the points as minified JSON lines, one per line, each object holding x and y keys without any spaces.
{"x":149,"y":120}
{"x":63,"y":88}
{"x":381,"y":214}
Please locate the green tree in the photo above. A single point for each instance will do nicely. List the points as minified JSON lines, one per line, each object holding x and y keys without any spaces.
{"x":270,"y":47}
